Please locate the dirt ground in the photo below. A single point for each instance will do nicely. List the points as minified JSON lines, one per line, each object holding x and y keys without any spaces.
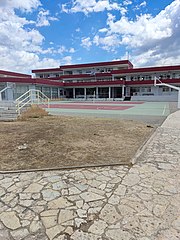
{"x":56,"y":142}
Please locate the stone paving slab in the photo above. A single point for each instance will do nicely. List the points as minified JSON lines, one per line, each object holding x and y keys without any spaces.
{"x":109,"y":203}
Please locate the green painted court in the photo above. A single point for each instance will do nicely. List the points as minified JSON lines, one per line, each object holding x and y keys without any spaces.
{"x":149,"y":112}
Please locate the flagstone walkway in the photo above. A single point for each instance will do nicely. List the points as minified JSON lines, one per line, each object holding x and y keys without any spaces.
{"x":107,"y":203}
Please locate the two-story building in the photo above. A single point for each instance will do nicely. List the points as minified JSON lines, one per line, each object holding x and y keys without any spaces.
{"x":114,"y":80}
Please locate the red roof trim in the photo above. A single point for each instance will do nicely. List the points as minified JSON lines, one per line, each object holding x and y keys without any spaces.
{"x":151,"y":82}
{"x":47,"y":70}
{"x":95,"y":83}
{"x":15,"y":74}
{"x":97,"y":64}
{"x":88,"y":83}
{"x":118,"y":82}
{"x":48,"y":82}
{"x":32,"y":81}
{"x":148,"y":69}
{"x":85,"y":75}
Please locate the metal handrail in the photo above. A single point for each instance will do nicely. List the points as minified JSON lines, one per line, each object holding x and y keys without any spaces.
{"x":3,"y":90}
{"x":33,"y":96}
{"x":17,"y":99}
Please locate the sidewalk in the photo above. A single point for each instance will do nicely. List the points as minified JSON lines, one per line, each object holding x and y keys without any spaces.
{"x":110,"y":203}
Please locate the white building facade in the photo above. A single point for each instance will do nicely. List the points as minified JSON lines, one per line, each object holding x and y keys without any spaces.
{"x":115,"y":80}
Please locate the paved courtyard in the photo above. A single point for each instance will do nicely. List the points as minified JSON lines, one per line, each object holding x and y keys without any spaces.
{"x":109,"y":203}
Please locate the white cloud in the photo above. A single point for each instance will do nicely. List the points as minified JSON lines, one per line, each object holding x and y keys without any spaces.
{"x":108,"y":43}
{"x":64,"y":8}
{"x":20,"y":43}
{"x":86,"y":43}
{"x":14,"y":35}
{"x":25,"y":5}
{"x":127,"y":2}
{"x":62,"y":49}
{"x":23,"y":61}
{"x":90,"y":6}
{"x":44,"y":63}
{"x":140,"y":5}
{"x":66,"y":60}
{"x":71,"y":50}
{"x":151,"y":37}
{"x":44,"y":18}
{"x":143,"y":4}
{"x":143,"y":28}
{"x":103,"y":30}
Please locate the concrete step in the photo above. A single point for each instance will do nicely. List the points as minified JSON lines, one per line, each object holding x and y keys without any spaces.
{"x":5,"y":119}
{"x":7,"y":104}
{"x":3,"y":111}
{"x":7,"y":108}
{"x":8,"y":116}
{"x":8,"y":111}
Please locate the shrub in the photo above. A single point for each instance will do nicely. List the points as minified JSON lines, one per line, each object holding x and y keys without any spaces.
{"x":33,"y":112}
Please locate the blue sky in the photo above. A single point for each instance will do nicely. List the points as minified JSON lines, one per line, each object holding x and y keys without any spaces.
{"x":45,"y":33}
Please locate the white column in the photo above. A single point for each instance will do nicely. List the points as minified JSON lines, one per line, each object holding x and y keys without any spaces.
{"x":123,"y":90}
{"x":33,"y":93}
{"x":74,"y":93}
{"x":58,"y":92}
{"x":155,"y":90}
{"x":109,"y":92}
{"x":179,"y":98}
{"x":9,"y":94}
{"x":97,"y":92}
{"x":51,"y":92}
{"x":85,"y":92}
{"x":112,"y":92}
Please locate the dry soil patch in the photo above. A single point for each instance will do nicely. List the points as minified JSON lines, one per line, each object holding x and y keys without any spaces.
{"x":55,"y":142}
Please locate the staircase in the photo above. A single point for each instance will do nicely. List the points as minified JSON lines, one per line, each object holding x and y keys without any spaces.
{"x":30,"y":97}
{"x":8,"y":111}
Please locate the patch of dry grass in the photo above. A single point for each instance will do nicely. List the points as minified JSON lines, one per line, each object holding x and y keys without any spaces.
{"x":62,"y":141}
{"x":33,"y":112}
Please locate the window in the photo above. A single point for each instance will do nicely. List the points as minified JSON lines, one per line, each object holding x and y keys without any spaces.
{"x":135,"y":89}
{"x":146,"y":89}
{"x":68,"y":73}
{"x":46,"y":75}
{"x":54,"y":92}
{"x":165,"y":89}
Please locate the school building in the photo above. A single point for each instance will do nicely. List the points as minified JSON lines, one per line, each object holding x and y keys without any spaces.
{"x":114,"y":80}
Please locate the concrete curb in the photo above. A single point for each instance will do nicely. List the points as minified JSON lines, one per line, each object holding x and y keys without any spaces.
{"x":65,"y":168}
{"x":142,"y":148}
